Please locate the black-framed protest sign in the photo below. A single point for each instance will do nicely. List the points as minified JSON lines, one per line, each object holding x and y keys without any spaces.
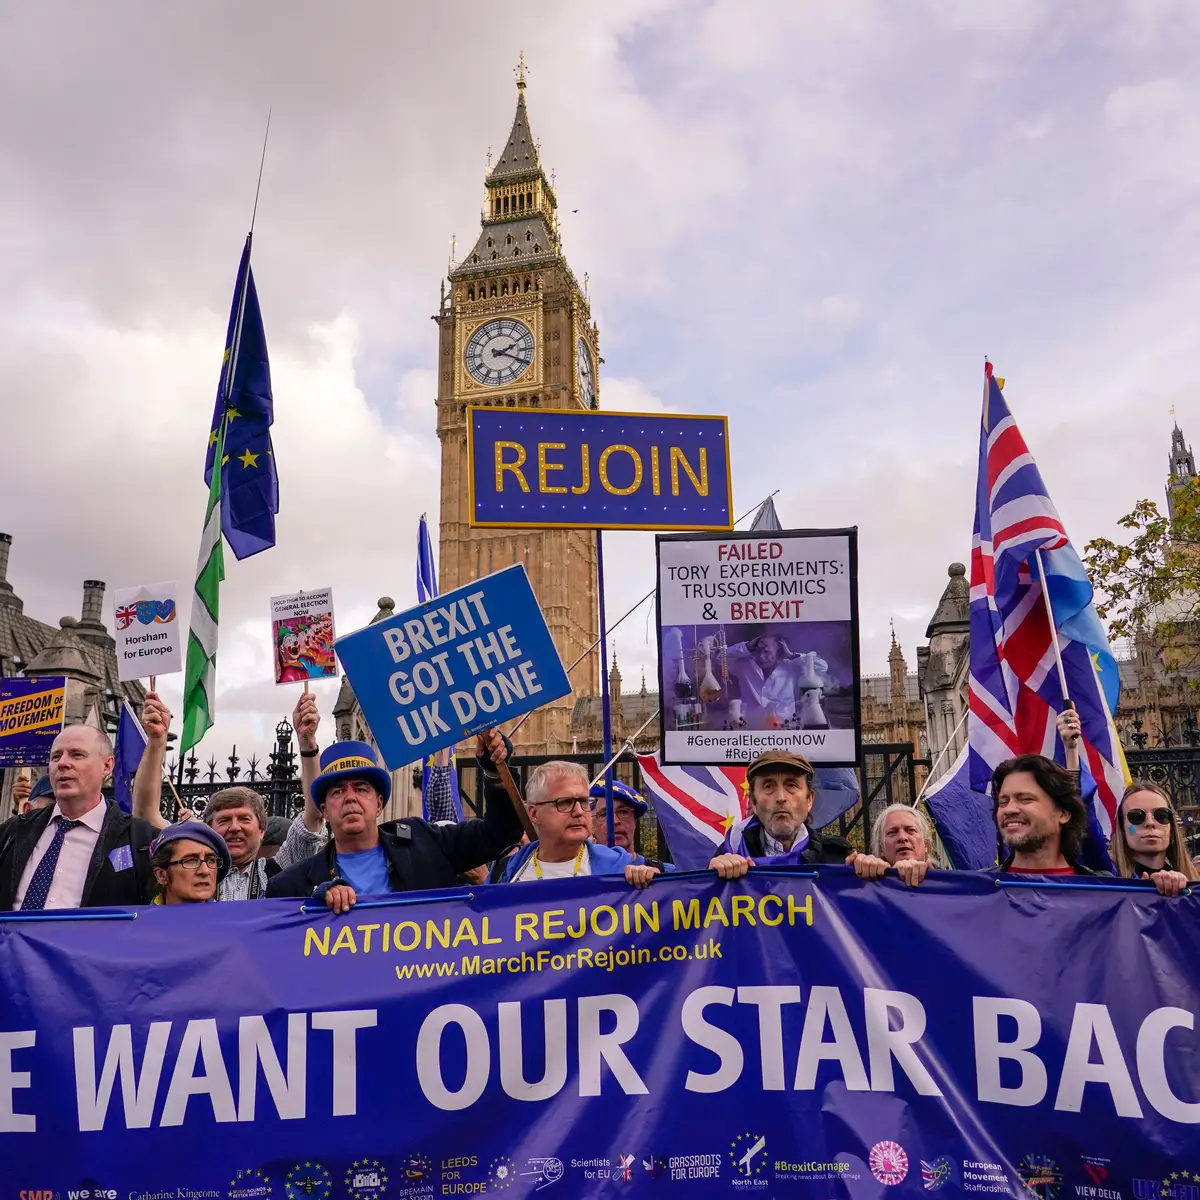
{"x":758,"y":646}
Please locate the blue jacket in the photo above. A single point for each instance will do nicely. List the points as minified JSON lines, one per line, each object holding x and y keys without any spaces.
{"x":603,"y":860}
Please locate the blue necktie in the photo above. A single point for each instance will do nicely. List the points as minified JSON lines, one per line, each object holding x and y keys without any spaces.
{"x":39,"y":885}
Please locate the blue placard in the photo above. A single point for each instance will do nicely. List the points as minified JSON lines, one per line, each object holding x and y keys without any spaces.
{"x":31,"y":717}
{"x":782,"y":1036}
{"x":435,"y":674}
{"x":595,"y":470}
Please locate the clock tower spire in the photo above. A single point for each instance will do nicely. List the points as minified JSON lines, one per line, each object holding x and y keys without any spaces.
{"x":515,"y":331}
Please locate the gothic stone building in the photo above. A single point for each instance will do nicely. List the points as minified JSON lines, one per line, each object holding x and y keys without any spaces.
{"x":515,"y":331}
{"x":892,"y":711}
{"x":82,"y":650}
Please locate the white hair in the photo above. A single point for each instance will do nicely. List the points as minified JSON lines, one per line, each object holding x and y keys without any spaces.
{"x":539,"y":779}
{"x":917,"y":815}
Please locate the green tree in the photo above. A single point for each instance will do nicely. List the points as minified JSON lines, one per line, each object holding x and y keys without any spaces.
{"x":1149,"y":586}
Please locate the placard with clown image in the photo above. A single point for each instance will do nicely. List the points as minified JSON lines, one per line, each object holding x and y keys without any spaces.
{"x":758,"y":645}
{"x":302,"y":636}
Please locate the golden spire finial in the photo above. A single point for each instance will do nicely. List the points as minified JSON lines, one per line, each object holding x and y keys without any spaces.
{"x":519,"y":72}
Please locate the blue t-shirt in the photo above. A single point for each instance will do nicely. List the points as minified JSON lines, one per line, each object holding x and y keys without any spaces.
{"x":366,"y":871}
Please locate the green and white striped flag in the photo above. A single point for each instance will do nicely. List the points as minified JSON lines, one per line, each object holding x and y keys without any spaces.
{"x":200,"y":673}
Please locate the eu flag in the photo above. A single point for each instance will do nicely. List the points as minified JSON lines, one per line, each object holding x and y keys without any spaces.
{"x":127,"y":754}
{"x":249,"y":483}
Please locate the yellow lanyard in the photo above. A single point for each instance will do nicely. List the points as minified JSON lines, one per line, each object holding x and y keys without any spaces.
{"x":537,"y":866}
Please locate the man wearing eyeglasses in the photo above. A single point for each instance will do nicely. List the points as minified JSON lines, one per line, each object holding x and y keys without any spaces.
{"x":560,"y":809}
{"x":82,"y":851}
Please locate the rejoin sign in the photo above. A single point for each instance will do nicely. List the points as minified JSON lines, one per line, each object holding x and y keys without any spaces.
{"x":470,"y":659}
{"x":598,"y":470}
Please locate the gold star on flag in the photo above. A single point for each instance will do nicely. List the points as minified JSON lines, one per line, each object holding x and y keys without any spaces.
{"x":248,"y":459}
{"x":212,"y":438}
{"x":231,"y":413}
{"x":224,"y":460}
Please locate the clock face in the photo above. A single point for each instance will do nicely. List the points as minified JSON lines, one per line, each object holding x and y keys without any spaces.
{"x":587,"y":378}
{"x":499,"y":352}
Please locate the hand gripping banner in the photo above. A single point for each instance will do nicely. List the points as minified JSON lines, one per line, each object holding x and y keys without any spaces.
{"x":785,"y":1035}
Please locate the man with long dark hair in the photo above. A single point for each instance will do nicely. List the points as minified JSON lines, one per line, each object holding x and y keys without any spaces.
{"x":1040,"y":817}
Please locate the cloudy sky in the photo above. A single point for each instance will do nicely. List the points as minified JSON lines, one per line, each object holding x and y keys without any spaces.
{"x":817,"y":218}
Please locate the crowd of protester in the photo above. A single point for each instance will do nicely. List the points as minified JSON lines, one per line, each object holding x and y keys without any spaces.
{"x":71,"y":847}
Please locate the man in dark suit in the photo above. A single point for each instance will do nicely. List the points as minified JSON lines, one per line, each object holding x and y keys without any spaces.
{"x":366,"y":858}
{"x":82,"y":851}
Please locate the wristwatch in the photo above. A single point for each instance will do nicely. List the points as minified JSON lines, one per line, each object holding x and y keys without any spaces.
{"x":310,"y":753}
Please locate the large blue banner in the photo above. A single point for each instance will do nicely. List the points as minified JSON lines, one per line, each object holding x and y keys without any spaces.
{"x":460,"y":663}
{"x":598,"y":470}
{"x":785,"y":1035}
{"x":31,"y":717}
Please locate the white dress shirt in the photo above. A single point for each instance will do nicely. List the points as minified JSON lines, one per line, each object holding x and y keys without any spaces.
{"x":70,"y":873}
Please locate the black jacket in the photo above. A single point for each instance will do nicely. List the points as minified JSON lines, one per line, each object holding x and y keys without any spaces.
{"x":114,"y":877}
{"x":420,"y":855}
{"x":821,"y":848}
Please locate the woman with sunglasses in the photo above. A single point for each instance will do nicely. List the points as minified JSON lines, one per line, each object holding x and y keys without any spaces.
{"x":1148,"y":842}
{"x":187,"y":860}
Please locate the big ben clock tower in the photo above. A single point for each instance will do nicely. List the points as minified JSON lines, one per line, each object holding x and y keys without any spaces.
{"x":515,"y":331}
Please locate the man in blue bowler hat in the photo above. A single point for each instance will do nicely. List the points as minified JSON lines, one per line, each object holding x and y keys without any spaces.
{"x":364,"y":858}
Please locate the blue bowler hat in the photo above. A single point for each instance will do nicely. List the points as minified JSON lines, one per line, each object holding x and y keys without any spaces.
{"x":620,"y":791}
{"x":350,"y":760}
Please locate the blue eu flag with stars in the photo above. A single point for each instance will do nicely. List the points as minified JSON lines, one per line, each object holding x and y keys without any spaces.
{"x":249,"y":483}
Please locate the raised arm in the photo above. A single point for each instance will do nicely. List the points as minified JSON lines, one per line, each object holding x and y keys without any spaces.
{"x":1069,"y":731}
{"x":147,"y":783}
{"x":305,"y":719}
{"x":470,"y":843}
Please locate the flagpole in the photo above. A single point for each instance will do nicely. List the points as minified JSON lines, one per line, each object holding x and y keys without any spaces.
{"x":627,"y":745}
{"x":950,"y":742}
{"x":261,"y":161}
{"x":605,"y":703}
{"x":1062,"y":675}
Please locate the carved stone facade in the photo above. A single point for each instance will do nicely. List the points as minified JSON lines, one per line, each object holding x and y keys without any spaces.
{"x":943,"y":668}
{"x":891,"y":705}
{"x":891,"y":710}
{"x":628,"y":712}
{"x":516,"y":281}
{"x":82,"y":650}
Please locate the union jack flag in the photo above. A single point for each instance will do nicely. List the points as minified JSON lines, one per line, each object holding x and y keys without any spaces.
{"x":125,"y":615}
{"x":696,"y":805}
{"x":1015,"y":693}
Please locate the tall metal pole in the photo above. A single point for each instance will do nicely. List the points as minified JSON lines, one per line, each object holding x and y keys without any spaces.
{"x":605,"y":705}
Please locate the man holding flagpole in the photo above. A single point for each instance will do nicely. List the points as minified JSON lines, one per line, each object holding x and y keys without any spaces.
{"x":1038,"y":651}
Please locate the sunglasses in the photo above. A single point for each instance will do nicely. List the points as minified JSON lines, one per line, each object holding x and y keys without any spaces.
{"x":1137,"y":816}
{"x":564,"y":805}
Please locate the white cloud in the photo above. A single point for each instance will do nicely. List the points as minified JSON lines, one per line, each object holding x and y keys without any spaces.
{"x":630,"y":395}
{"x":1157,"y":129}
{"x":990,"y":16}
